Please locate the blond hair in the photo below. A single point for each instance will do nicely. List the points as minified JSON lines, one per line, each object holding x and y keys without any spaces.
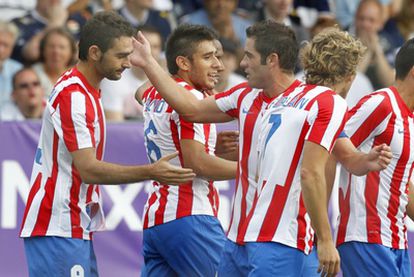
{"x":330,"y":57}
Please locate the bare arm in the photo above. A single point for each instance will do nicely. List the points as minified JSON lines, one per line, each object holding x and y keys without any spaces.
{"x":227,"y":145}
{"x":93,"y":171}
{"x":330,"y":173}
{"x":180,"y":99}
{"x":205,"y":165}
{"x":359,"y":163}
{"x":313,"y":191}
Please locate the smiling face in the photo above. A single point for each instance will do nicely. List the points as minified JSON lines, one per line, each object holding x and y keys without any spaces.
{"x":257,"y":74}
{"x":204,"y":66}
{"x":116,"y":59}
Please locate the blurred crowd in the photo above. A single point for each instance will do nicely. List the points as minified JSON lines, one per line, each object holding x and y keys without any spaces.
{"x":38,"y":42}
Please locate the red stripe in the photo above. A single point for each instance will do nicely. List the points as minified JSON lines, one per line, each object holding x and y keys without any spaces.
{"x":102,"y":130}
{"x":90,"y":118}
{"x":232,"y":90}
{"x":77,"y":230}
{"x":33,"y":192}
{"x":372,"y":122}
{"x":185,"y":192}
{"x":151,"y":201}
{"x":249,"y":124}
{"x":318,"y":130}
{"x":235,"y":112}
{"x":45,"y":210}
{"x":345,"y":210}
{"x":68,"y":127}
{"x":301,"y":237}
{"x":159,"y":213}
{"x":396,"y":183}
{"x":211,"y":189}
{"x":89,"y":194}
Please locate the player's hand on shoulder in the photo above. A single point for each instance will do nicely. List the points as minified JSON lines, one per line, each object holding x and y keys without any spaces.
{"x":164,"y":172}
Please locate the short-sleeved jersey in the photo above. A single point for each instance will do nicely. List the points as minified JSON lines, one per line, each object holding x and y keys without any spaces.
{"x":59,"y":203}
{"x":307,"y":113}
{"x":164,"y":128}
{"x":245,"y":104}
{"x":373,"y":207}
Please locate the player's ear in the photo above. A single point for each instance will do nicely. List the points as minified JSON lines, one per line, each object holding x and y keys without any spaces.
{"x":272,"y":59}
{"x":183,"y":63}
{"x":94,"y":53}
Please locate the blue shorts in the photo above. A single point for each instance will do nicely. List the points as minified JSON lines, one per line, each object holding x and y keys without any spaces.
{"x":189,"y":246}
{"x":233,"y":261}
{"x":58,"y":256}
{"x":274,"y":259}
{"x":368,"y":259}
{"x":310,"y":267}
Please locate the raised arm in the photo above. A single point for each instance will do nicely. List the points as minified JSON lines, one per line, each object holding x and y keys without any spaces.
{"x":179,"y":98}
{"x":93,"y":171}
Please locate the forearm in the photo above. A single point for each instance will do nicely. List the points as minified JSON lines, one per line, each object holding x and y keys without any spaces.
{"x":230,"y":156}
{"x":213,"y":168}
{"x":313,"y":191}
{"x":383,"y":69}
{"x":99,"y":172}
{"x":330,"y":173}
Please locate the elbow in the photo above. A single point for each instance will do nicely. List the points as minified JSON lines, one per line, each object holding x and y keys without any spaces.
{"x":308,"y":178}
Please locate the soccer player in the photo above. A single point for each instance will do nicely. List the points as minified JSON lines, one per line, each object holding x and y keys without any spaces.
{"x":270,"y":57}
{"x":182,"y":235}
{"x":371,"y":232}
{"x":64,"y":204}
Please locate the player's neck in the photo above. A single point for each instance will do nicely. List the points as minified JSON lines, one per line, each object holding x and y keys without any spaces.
{"x":278,"y":85}
{"x":90,"y":74}
{"x":406,"y":91}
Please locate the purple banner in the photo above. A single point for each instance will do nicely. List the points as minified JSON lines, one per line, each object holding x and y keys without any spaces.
{"x":118,"y":249}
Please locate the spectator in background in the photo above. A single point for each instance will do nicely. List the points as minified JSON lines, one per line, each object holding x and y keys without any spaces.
{"x":47,"y":14}
{"x":8,"y":36}
{"x":57,"y":54}
{"x":140,"y":12}
{"x":89,"y":7}
{"x":228,"y":77}
{"x":280,"y":11}
{"x":405,"y":19}
{"x":381,"y":43}
{"x":219,"y":15}
{"x":27,"y":97}
{"x":309,"y":11}
{"x":118,"y":96}
{"x":345,"y":10}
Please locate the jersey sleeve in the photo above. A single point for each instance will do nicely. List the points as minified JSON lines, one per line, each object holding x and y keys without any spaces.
{"x":327,"y":117}
{"x":228,"y":101}
{"x":368,"y":118}
{"x":193,"y":131}
{"x":73,"y":120}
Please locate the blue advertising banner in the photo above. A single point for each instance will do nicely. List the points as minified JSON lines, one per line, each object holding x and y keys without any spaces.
{"x":118,"y":249}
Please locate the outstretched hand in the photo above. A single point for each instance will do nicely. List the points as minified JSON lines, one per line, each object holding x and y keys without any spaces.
{"x":141,"y":54}
{"x":164,"y":172}
{"x":379,"y":157}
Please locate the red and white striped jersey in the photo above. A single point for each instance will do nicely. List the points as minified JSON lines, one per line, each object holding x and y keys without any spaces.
{"x":373,"y":207}
{"x":307,"y":113}
{"x":164,"y":128}
{"x":59,"y":203}
{"x":245,"y":104}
